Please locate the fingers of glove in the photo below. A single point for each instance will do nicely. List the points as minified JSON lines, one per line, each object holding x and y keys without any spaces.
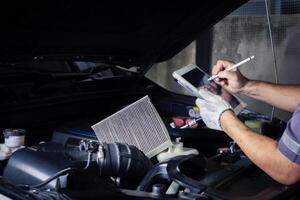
{"x":205,"y":115}
{"x":212,"y":98}
{"x":205,"y":105}
{"x":220,"y":100}
{"x":206,"y":94}
{"x":200,"y":103}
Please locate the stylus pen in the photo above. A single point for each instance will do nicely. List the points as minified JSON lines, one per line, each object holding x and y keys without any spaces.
{"x":233,"y":67}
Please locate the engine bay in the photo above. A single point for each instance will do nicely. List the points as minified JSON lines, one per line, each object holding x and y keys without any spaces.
{"x":53,"y":153}
{"x":72,"y":164}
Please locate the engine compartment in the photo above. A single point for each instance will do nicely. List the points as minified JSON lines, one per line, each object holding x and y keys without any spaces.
{"x":74,"y":165}
{"x":64,"y":159}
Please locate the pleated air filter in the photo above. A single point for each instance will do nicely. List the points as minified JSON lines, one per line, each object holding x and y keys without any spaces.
{"x":138,"y":124}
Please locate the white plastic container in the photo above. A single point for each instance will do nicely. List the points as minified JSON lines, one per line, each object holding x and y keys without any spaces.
{"x":176,"y":150}
{"x":14,"y":141}
{"x":14,"y":138}
{"x":5,"y":152}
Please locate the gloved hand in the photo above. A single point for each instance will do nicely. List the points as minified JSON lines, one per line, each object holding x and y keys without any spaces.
{"x":211,"y":108}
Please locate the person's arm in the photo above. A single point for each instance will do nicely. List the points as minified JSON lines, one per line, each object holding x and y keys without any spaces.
{"x":280,"y":160}
{"x":261,"y":150}
{"x":286,"y":97}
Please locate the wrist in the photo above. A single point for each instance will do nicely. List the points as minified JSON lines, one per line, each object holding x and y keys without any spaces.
{"x":248,"y":87}
{"x":225,"y":118}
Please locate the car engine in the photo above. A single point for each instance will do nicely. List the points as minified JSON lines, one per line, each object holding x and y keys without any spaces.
{"x":74,"y":165}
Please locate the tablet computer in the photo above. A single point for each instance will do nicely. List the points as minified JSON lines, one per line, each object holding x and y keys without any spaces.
{"x":193,"y":79}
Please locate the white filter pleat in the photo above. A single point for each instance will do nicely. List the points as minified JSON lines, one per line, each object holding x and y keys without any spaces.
{"x":138,"y":124}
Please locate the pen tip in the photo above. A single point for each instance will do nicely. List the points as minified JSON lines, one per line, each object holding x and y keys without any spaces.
{"x":252,"y":57}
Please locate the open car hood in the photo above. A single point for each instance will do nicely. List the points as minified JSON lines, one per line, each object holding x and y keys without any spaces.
{"x":127,"y":34}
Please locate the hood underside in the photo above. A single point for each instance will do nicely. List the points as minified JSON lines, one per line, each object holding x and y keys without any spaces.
{"x":128,"y":34}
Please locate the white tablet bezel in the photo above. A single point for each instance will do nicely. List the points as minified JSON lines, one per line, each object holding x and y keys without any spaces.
{"x":188,"y":86}
{"x":183,"y":82}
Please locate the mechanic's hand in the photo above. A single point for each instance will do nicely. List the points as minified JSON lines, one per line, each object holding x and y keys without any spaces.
{"x":218,"y":90}
{"x":233,"y":81}
{"x":211,"y":108}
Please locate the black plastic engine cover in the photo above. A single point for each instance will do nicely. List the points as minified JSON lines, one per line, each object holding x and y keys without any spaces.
{"x":30,"y":166}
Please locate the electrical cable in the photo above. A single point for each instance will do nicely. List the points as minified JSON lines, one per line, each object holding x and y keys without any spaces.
{"x":62,"y":172}
{"x":56,"y":175}
{"x":273,"y":50}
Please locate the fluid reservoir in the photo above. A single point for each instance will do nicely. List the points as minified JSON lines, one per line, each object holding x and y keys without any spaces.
{"x":5,"y":152}
{"x":14,"y":138}
{"x":255,"y":125}
{"x":176,"y":149}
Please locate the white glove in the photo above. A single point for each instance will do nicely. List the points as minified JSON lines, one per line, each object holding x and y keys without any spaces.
{"x":211,"y":108}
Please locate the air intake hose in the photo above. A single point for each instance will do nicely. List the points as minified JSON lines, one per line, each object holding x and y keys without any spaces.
{"x":124,"y":161}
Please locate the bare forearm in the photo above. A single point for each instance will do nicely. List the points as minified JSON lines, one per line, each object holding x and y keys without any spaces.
{"x":286,"y":97}
{"x":261,"y":150}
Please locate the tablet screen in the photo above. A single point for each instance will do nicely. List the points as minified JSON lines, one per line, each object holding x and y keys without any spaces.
{"x":196,"y":77}
{"x":199,"y":79}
